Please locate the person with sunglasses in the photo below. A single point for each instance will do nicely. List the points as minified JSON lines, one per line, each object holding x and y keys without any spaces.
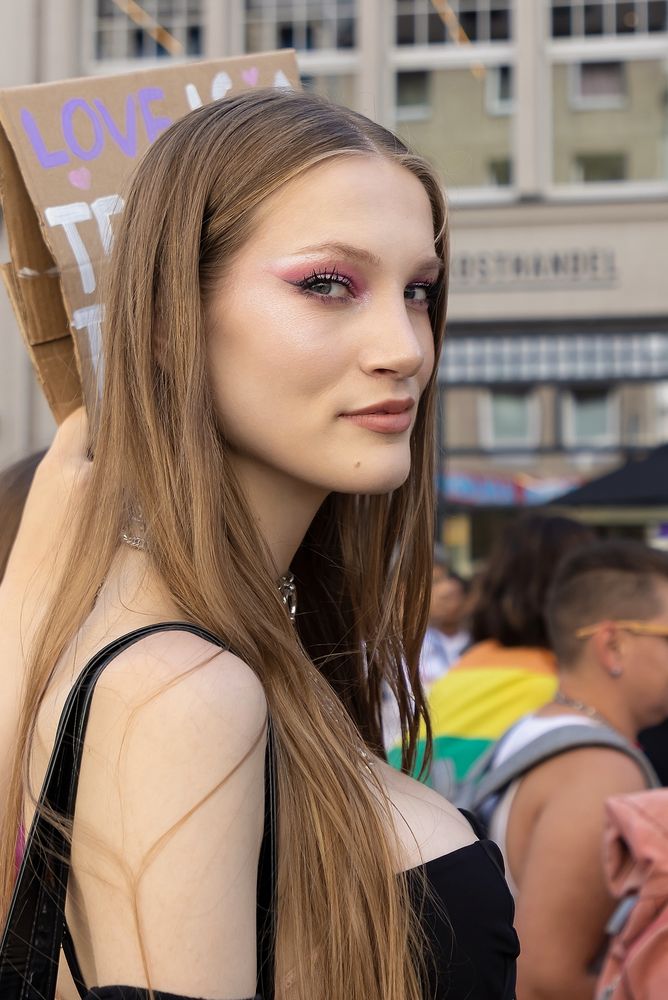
{"x":607,"y":616}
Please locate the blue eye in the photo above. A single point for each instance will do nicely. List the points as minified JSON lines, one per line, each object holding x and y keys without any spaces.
{"x":421,"y":293}
{"x":326,"y":285}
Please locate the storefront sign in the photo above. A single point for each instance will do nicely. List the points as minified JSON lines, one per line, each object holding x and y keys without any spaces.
{"x":521,"y":490}
{"x":503,"y":270}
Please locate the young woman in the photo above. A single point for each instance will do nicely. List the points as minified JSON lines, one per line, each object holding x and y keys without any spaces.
{"x":275,"y":310}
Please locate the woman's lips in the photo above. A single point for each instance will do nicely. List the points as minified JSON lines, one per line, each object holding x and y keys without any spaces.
{"x":382,"y":423}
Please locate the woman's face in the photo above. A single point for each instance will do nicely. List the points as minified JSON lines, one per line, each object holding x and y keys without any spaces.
{"x":320,"y":341}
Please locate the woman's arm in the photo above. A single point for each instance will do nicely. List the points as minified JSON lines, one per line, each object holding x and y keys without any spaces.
{"x":48,"y":524}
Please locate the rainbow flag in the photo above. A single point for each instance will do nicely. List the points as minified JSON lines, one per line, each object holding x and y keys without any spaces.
{"x":486,"y":691}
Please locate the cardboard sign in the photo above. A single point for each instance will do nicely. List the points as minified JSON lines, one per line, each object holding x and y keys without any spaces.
{"x":66,"y":151}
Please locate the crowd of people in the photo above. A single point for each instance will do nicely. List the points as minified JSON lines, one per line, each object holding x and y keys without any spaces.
{"x":557,"y":705}
{"x":221,"y":628}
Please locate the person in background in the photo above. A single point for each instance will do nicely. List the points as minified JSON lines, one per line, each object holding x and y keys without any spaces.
{"x":447,"y":635}
{"x":607,"y":615}
{"x":510,"y":669}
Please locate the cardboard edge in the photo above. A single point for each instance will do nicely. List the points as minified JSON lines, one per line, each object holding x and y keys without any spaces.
{"x":247,"y":58}
{"x":63,"y":394}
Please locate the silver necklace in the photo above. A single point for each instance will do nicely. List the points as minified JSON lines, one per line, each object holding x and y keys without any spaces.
{"x":562,"y":699}
{"x":287,"y":587}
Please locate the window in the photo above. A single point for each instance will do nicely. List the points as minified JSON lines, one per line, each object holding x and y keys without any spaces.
{"x":577,"y":18}
{"x":510,"y":418}
{"x":434,"y":22}
{"x":598,"y":85}
{"x":305,"y":25}
{"x":413,"y":95}
{"x":599,"y":168}
{"x":499,"y":91}
{"x":501,"y":172}
{"x":539,"y":357}
{"x":169,"y":28}
{"x":590,"y":417}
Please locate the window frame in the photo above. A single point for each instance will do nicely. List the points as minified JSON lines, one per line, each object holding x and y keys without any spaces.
{"x":413,"y":112}
{"x":488,"y":441}
{"x":94,"y":66}
{"x":495,"y":105}
{"x":609,"y":19}
{"x":612,"y":435}
{"x":578,"y":167}
{"x":595,"y":102}
{"x":270,"y":19}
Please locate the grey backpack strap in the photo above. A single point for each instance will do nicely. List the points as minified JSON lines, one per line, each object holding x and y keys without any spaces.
{"x":464,"y":793}
{"x":551,"y":744}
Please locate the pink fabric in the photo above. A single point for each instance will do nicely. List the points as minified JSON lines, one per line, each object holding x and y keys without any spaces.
{"x":636,"y":862}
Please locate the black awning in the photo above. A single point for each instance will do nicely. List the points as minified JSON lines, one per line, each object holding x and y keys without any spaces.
{"x":641,"y":482}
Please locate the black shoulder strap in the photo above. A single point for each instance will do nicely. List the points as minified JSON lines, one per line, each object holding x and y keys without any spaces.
{"x":35,"y":928}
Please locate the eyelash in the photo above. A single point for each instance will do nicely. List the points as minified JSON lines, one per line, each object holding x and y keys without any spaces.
{"x":322,"y":278}
{"x":332,"y":276}
{"x":430,"y":287}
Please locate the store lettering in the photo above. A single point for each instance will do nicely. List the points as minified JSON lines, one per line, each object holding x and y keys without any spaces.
{"x":499,"y":269}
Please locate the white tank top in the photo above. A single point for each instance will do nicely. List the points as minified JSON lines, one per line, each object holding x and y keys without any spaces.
{"x":523,"y":732}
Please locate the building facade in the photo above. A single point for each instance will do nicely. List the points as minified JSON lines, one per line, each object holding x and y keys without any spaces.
{"x":549,"y":122}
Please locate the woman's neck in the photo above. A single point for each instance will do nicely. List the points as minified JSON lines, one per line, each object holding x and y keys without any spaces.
{"x":283,"y":508}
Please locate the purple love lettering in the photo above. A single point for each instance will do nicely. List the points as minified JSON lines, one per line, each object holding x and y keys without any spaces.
{"x":250,"y":75}
{"x":46,"y":157}
{"x":126,"y":141}
{"x":154,"y":125}
{"x":67,"y":115}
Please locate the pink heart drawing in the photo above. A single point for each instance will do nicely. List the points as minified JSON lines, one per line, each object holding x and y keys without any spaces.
{"x":250,"y":75}
{"x":80,"y":178}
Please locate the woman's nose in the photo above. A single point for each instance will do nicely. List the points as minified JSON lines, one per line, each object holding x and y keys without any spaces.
{"x":396,"y":340}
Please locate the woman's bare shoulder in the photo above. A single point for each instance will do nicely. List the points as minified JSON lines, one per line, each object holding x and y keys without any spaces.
{"x":175,"y":710}
{"x":171,"y":798}
{"x":186,"y":673}
{"x":427,"y":825}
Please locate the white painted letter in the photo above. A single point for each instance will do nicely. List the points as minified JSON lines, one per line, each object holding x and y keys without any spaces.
{"x":68,"y":216}
{"x":103,"y":208}
{"x":192,"y":96}
{"x":281,"y":81}
{"x":220,"y":86}
{"x":89,"y":318}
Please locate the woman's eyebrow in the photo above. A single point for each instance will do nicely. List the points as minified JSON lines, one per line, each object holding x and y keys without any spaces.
{"x":364,"y":256}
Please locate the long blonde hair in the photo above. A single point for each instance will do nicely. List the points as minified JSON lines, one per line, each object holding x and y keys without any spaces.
{"x":363,"y":570}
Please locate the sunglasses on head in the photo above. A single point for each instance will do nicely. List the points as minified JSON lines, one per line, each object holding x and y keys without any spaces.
{"x":628,"y":624}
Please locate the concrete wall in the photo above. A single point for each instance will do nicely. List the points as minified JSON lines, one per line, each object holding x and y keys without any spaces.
{"x":458,"y":134}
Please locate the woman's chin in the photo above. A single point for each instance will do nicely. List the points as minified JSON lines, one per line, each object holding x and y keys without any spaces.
{"x":374,"y":481}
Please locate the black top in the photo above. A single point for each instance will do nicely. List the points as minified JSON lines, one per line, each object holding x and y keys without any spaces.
{"x":466,"y":912}
{"x":468,"y":922}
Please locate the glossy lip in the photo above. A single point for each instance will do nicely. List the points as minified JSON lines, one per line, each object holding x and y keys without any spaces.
{"x":391,"y":416}
{"x":386,"y":406}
